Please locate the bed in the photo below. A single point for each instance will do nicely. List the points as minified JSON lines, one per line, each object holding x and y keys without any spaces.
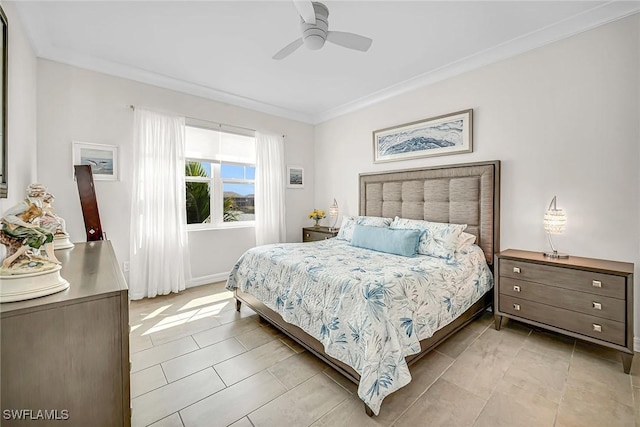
{"x":371,"y":315}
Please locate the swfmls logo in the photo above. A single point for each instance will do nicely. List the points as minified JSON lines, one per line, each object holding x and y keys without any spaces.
{"x":40,"y":414}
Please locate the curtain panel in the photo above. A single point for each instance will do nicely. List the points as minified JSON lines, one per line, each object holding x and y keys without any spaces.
{"x":270,"y":187}
{"x":159,"y":257}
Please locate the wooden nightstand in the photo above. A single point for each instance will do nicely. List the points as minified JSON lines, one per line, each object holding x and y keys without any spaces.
{"x":585,"y":298}
{"x":314,"y":234}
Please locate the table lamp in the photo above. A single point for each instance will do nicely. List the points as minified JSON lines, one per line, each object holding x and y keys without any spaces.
{"x":333,"y":213}
{"x":554,"y":223}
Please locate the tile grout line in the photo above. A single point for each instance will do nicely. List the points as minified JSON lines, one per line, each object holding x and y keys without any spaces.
{"x":564,"y":387}
{"x":425,"y":390}
{"x":501,"y":378}
{"x":183,"y":354}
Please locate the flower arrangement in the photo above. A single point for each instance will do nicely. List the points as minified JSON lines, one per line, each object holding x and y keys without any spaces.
{"x":317,"y":215}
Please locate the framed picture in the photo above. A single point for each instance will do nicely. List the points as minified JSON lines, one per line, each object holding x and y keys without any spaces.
{"x":295,"y":177}
{"x":437,"y":136}
{"x":102,"y":158}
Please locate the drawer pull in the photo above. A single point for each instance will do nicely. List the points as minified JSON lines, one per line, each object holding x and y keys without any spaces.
{"x":597,"y":328}
{"x":596,"y":283}
{"x":307,"y":235}
{"x":597,"y":306}
{"x":516,"y":288}
{"x":516,"y":270}
{"x":516,"y":307}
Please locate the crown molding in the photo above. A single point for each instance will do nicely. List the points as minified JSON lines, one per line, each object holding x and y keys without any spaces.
{"x":592,"y":18}
{"x":168,"y":82}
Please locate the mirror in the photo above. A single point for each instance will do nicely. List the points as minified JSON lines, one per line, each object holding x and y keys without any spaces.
{"x":3,"y":106}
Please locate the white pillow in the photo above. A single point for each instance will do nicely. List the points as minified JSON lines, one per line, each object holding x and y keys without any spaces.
{"x":346,"y":228}
{"x":349,"y":224}
{"x":440,"y":239}
{"x":465,"y":241}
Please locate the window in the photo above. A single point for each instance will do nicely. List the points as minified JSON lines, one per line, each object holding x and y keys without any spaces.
{"x":220,"y":177}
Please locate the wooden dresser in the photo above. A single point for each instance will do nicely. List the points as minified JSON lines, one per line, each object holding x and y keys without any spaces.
{"x":70,"y":351}
{"x":314,"y":234}
{"x":585,"y":298}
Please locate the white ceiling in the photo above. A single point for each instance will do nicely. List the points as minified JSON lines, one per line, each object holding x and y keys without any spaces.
{"x":222,"y":49}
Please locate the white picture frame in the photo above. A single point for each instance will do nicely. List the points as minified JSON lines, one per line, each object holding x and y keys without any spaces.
{"x":436,"y":136}
{"x":102,"y":158}
{"x":295,"y":176}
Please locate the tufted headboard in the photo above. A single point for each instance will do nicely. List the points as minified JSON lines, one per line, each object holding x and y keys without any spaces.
{"x":460,"y":194}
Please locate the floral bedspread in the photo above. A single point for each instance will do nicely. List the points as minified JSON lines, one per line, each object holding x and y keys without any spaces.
{"x":369,"y":309}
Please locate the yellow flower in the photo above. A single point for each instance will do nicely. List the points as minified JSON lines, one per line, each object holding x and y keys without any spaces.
{"x":317,"y":214}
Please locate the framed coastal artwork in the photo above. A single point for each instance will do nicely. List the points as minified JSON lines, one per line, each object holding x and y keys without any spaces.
{"x":102,"y":158}
{"x":295,"y":177}
{"x":436,"y":136}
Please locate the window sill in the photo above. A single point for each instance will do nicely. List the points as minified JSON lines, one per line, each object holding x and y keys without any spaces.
{"x":229,"y":226}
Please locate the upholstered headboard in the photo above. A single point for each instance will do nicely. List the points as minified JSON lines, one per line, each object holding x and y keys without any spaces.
{"x":459,"y":194}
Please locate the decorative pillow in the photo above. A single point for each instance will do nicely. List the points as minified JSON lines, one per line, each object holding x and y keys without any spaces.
{"x":392,"y":241}
{"x":346,"y":228}
{"x":349,"y":223}
{"x":465,"y":241}
{"x":374,"y":221}
{"x":439,"y":240}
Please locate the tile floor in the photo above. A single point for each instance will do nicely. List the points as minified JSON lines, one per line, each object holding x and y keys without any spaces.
{"x":198,"y":362}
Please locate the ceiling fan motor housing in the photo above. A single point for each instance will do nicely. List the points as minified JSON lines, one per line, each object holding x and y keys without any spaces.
{"x":314,"y":35}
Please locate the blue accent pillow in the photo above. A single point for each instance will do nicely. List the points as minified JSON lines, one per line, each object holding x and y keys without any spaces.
{"x":393,"y":241}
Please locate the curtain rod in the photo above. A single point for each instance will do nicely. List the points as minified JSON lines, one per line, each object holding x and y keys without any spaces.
{"x":133,"y":107}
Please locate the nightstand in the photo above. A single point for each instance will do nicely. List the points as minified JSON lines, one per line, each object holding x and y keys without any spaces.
{"x":589,"y":299}
{"x":314,"y":234}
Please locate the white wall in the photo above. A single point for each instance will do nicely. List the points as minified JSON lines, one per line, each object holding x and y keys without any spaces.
{"x":21,"y":111}
{"x":563,"y":119}
{"x":76,"y":104}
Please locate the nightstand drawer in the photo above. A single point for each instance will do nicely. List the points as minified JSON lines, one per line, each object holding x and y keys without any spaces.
{"x":595,"y":327}
{"x":569,"y":278}
{"x":595,"y":305}
{"x":314,"y":236}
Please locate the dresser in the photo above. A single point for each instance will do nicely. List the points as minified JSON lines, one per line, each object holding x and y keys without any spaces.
{"x":585,"y":298}
{"x":69,"y":352}
{"x":314,"y":234}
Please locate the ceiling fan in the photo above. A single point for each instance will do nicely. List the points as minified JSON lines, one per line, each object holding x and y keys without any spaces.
{"x":314,"y":25}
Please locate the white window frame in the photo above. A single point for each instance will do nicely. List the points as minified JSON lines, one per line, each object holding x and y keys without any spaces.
{"x":216,"y":204}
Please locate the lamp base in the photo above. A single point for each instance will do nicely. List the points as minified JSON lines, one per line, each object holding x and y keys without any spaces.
{"x":555,"y":255}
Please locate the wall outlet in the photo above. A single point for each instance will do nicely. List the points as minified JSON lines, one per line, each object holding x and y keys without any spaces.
{"x":125,"y":266}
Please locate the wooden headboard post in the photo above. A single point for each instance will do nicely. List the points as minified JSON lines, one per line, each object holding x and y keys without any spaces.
{"x":467,"y":193}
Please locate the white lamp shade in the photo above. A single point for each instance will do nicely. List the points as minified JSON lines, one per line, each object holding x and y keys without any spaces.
{"x":333,"y":209}
{"x":554,"y":221}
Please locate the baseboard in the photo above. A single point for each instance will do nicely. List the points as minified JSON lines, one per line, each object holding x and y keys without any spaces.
{"x":205,"y":280}
{"x":636,"y":344}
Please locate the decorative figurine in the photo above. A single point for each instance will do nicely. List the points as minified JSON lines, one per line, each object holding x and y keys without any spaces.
{"x":55,"y":224}
{"x":25,"y":272}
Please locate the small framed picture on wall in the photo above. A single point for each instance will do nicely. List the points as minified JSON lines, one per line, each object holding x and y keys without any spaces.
{"x":102,"y":158}
{"x":295,"y":177}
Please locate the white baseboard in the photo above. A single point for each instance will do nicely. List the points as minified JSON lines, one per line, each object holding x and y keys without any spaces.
{"x":205,"y":280}
{"x":636,"y":344}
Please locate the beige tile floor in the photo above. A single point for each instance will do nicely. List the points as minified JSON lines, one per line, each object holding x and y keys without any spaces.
{"x":198,"y":362}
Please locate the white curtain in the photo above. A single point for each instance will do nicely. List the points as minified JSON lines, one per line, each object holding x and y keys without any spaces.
{"x":270,"y":184}
{"x":159,"y":250}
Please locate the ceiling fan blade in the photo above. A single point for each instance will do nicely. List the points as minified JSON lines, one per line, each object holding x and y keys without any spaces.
{"x":350,"y":40}
{"x":288,"y":49}
{"x":305,"y":9}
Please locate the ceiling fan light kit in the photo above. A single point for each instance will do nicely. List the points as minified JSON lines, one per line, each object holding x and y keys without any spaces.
{"x":315,"y":34}
{"x":315,"y":31}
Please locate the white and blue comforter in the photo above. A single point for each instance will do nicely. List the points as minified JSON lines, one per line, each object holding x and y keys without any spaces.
{"x":369,"y":309}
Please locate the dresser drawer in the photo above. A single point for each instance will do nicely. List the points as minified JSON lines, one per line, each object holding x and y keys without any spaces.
{"x":595,"y":305}
{"x":595,"y":327}
{"x":579,"y":280}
